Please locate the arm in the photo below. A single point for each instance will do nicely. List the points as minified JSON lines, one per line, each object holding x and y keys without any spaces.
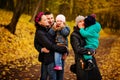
{"x":65,"y":31}
{"x":45,"y":41}
{"x":37,"y":46}
{"x":51,"y":32}
{"x":77,"y":44}
{"x":89,"y":31}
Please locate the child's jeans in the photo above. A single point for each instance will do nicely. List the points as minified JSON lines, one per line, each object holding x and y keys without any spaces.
{"x":58,"y":59}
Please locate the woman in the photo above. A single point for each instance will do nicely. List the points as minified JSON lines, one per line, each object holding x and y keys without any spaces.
{"x":78,"y":43}
{"x":43,"y":39}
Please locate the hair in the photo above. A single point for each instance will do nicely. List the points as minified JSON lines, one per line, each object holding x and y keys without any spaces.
{"x":48,"y":13}
{"x":38,"y":18}
{"x":79,"y":18}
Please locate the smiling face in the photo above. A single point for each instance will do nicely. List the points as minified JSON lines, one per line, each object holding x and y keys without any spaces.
{"x":50,"y":19}
{"x":81,"y":23}
{"x":43,"y":21}
{"x":59,"y":23}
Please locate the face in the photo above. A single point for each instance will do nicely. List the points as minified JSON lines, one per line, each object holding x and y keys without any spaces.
{"x":43,"y":21}
{"x":59,"y":23}
{"x":50,"y":19}
{"x":81,"y":23}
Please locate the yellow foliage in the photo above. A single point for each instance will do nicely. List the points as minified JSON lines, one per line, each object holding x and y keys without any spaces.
{"x":20,"y":45}
{"x":18,"y":50}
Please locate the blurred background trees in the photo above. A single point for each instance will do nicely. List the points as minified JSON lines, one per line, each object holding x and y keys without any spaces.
{"x":107,"y":11}
{"x":17,"y":52}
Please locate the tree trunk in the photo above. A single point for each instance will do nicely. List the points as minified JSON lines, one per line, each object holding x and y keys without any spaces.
{"x":35,"y":12}
{"x":16,"y":14}
{"x":10,"y":5}
{"x":3,"y":4}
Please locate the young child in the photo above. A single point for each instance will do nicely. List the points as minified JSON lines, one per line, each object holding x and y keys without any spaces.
{"x":91,"y":34}
{"x":60,"y":31}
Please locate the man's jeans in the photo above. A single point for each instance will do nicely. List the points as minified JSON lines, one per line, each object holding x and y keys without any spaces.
{"x":60,"y":73}
{"x":47,"y":71}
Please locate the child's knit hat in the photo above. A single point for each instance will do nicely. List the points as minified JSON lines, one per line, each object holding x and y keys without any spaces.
{"x":89,"y":20}
{"x":61,"y":17}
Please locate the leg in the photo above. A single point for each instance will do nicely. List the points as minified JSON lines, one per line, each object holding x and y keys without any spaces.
{"x":95,"y":71}
{"x":44,"y":73}
{"x":51,"y":72}
{"x":90,"y":64}
{"x":58,"y":62}
{"x":60,"y":73}
{"x":58,"y":57}
{"x":87,"y":57}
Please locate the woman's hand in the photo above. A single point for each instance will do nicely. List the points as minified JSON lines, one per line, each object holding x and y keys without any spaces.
{"x":80,"y":26}
{"x":45,"y":50}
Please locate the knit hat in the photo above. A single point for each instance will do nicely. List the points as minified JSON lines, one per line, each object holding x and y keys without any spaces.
{"x":61,"y":17}
{"x":38,"y":16}
{"x":93,"y":15}
{"x":79,"y":18}
{"x":89,"y":20}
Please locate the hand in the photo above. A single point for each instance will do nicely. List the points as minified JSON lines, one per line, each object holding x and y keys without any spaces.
{"x":60,"y":26}
{"x":91,"y":52}
{"x":64,"y":56}
{"x":81,"y":26}
{"x":54,"y":27}
{"x":45,"y":50}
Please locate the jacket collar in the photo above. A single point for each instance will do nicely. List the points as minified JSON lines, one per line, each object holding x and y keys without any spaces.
{"x":42,"y":28}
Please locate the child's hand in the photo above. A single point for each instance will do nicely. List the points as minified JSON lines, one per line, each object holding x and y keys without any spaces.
{"x":54,"y":27}
{"x":64,"y":56}
{"x":61,"y":26}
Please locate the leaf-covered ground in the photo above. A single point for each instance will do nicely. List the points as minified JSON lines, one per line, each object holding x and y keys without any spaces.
{"x":18,"y":57}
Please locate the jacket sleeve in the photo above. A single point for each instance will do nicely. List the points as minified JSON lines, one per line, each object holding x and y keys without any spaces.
{"x":51,"y":32}
{"x":37,"y":46}
{"x":91,"y":31}
{"x":45,"y":41}
{"x":77,"y":45}
{"x":65,"y":31}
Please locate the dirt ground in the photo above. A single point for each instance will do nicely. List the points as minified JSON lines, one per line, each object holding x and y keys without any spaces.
{"x":33,"y":72}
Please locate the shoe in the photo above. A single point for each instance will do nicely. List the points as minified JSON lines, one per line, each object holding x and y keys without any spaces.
{"x":91,"y":65}
{"x":58,"y":68}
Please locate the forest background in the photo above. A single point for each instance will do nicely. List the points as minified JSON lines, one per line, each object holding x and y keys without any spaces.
{"x":18,"y":57}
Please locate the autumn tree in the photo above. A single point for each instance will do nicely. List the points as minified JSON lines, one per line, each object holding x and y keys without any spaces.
{"x":36,"y":10}
{"x":7,"y":4}
{"x":16,"y":14}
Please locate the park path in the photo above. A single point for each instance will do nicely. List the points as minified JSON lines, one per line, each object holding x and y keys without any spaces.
{"x":107,"y":46}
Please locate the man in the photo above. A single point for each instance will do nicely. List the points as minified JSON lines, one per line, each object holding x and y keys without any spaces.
{"x":50,"y":18}
{"x":47,"y":66}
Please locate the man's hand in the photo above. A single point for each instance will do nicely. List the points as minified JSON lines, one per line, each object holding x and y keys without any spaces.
{"x":45,"y":50}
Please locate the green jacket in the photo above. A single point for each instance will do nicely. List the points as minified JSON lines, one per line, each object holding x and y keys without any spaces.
{"x":91,"y":35}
